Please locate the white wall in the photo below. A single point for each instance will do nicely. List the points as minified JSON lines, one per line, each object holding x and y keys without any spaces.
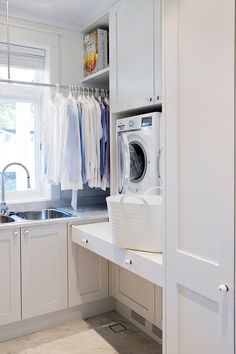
{"x":66,"y":47}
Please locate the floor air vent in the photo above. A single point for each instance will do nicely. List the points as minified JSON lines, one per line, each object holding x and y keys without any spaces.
{"x":157,"y":331}
{"x":138,"y":318}
{"x":117,"y":327}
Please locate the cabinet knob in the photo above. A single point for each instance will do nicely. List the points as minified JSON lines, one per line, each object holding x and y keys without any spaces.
{"x":128,"y":261}
{"x":223,"y":288}
{"x":26,"y":235}
{"x":84,"y":240}
{"x":149,"y":99}
{"x":15,"y":233}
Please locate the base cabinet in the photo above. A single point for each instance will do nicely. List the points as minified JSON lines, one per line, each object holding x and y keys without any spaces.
{"x":135,"y":292}
{"x":158,"y":307}
{"x":44,"y":269}
{"x":10,"y":289}
{"x":88,"y":275}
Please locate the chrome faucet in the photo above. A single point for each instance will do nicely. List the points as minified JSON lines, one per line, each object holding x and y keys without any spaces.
{"x":3,"y":205}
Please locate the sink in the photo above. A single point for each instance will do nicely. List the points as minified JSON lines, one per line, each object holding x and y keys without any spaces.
{"x":4,"y":219}
{"x":44,"y":214}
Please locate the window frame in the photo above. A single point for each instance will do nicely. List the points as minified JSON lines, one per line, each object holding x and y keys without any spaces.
{"x":27,"y":34}
{"x":42,"y":189}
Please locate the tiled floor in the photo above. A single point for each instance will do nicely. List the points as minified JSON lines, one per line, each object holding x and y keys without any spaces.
{"x":92,"y":336}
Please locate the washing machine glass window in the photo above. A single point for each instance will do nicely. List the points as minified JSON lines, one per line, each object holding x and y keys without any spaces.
{"x":138,"y":161}
{"x":123,"y":163}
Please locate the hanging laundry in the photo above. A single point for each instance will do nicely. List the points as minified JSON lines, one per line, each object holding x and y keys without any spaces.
{"x":75,"y":142}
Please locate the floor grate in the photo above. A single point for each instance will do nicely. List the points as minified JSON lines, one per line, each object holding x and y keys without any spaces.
{"x":118,"y":327}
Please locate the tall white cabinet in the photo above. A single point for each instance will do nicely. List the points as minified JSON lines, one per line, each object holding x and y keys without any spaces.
{"x":199,"y":113}
{"x":135,"y":54}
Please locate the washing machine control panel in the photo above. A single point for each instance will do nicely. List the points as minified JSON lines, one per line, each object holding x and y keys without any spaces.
{"x":143,"y":121}
{"x":131,"y":123}
{"x":128,"y":124}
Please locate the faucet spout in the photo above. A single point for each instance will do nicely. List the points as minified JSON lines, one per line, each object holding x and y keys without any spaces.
{"x":3,"y":205}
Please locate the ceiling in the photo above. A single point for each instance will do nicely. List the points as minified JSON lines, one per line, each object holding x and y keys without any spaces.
{"x":71,"y":14}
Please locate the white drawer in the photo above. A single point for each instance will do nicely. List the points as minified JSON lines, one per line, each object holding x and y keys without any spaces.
{"x":97,"y":238}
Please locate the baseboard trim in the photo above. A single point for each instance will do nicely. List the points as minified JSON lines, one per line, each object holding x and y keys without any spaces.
{"x":40,"y":323}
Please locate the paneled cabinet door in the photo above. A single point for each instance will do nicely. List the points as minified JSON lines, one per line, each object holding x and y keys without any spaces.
{"x":135,"y":292}
{"x":135,"y":54}
{"x":158,"y":307}
{"x":44,"y":269}
{"x":200,"y":177}
{"x":88,"y":275}
{"x":10,"y":299}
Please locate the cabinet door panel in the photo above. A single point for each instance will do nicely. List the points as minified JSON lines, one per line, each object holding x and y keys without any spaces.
{"x":88,"y":275}
{"x":135,"y":292}
{"x":158,"y":307}
{"x":44,"y":269}
{"x":200,"y":176}
{"x":10,"y":299}
{"x":132,"y":54}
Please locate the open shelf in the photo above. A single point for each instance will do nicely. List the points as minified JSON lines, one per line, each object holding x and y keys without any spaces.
{"x":98,"y":239}
{"x":100,"y":78}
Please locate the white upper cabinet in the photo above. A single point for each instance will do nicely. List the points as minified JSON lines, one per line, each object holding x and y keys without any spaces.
{"x":10,"y":293}
{"x":44,"y":269}
{"x":135,"y":54}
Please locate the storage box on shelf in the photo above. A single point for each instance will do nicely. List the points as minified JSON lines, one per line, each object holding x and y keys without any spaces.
{"x":95,"y":51}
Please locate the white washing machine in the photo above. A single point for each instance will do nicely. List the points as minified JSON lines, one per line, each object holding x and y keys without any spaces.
{"x":138,"y":153}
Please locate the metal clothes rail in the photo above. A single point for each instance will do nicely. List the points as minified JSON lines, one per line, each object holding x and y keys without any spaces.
{"x":57,"y":86}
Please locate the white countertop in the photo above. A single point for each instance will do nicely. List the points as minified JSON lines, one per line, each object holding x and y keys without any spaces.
{"x":83,"y":213}
{"x":97,"y":238}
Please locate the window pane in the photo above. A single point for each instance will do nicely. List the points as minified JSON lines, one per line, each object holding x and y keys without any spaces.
{"x":21,"y":74}
{"x":17,"y":141}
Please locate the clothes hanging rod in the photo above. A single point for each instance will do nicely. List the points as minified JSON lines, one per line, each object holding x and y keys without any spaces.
{"x":17,"y":82}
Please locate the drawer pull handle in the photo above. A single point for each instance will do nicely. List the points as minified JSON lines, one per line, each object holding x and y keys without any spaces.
{"x":128,"y":261}
{"x":84,"y":240}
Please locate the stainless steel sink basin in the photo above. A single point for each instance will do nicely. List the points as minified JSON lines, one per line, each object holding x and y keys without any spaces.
{"x":4,"y":219}
{"x":44,"y":214}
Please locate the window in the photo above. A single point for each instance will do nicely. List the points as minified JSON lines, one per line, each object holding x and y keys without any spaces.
{"x":26,"y":63}
{"x":20,"y":123}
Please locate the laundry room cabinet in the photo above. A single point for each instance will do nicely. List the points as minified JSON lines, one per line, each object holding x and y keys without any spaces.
{"x":44,"y":269}
{"x":135,"y":54}
{"x":10,"y":288}
{"x":199,"y":111}
{"x":135,"y":292}
{"x":88,"y":275}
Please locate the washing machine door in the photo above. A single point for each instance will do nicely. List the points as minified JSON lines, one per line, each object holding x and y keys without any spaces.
{"x":123,"y":159}
{"x":138,"y":161}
